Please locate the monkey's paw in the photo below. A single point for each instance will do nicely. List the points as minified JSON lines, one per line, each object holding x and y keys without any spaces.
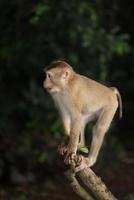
{"x":69,"y":157}
{"x":62,"y":149}
{"x":85,"y":163}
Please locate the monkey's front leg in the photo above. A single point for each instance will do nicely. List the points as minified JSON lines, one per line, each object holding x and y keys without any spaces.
{"x":62,"y":148}
{"x":73,"y":142}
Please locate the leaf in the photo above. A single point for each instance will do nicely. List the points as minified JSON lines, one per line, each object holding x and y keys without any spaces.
{"x":84,"y":150}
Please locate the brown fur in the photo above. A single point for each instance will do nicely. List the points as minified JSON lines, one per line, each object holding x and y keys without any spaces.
{"x":57,"y":64}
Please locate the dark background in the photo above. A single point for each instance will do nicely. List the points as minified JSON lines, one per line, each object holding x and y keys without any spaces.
{"x":97,"y":39}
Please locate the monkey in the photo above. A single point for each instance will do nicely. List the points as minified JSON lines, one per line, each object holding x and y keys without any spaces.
{"x":79,"y":100}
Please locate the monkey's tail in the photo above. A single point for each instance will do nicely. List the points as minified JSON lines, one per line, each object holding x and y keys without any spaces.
{"x":116,"y":91}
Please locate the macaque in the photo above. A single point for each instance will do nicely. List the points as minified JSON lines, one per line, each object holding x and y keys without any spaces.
{"x":79,"y":100}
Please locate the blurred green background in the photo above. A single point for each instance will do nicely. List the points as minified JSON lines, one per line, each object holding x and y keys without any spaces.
{"x":97,"y":39}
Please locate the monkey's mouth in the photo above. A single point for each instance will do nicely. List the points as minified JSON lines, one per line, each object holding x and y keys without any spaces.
{"x":52,"y":90}
{"x":49,"y":90}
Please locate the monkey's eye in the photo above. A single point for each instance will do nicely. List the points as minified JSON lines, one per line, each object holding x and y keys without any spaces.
{"x":49,"y":76}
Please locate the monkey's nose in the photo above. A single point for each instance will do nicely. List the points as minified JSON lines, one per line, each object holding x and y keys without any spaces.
{"x":48,"y":88}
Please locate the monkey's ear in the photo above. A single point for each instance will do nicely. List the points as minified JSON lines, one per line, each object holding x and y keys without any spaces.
{"x":66,"y":73}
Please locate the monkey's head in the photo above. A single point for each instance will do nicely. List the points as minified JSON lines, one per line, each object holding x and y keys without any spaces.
{"x":58,"y":74}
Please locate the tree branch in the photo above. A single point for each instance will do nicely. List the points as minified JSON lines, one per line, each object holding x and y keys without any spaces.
{"x":95,"y":184}
{"x":91,"y":181}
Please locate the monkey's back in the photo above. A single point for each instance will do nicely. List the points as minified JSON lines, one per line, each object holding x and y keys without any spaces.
{"x":95,"y":94}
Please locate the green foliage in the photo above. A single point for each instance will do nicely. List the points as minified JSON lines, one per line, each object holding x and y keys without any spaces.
{"x":39,"y":10}
{"x":130,"y":197}
{"x":43,"y":157}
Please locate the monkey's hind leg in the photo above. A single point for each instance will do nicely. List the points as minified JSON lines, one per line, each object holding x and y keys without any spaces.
{"x":99,"y":132}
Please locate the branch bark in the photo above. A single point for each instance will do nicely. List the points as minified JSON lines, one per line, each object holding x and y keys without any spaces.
{"x":97,"y":189}
{"x":78,"y":189}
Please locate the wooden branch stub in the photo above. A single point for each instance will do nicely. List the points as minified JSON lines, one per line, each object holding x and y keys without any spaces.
{"x":95,"y":184}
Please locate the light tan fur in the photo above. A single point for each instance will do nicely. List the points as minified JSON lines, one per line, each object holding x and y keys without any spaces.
{"x":79,"y":100}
